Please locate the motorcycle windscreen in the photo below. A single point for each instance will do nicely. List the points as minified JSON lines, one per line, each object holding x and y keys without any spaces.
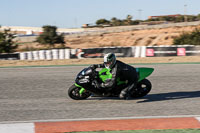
{"x":144,"y":72}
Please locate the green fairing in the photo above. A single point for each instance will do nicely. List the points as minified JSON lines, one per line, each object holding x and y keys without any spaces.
{"x":81,"y":90}
{"x":144,"y":72}
{"x":105,"y":74}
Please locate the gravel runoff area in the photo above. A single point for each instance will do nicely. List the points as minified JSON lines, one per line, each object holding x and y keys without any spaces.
{"x":180,"y":59}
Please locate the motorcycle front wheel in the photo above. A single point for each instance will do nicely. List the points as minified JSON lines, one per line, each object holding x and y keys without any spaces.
{"x":143,"y":88}
{"x":73,"y":93}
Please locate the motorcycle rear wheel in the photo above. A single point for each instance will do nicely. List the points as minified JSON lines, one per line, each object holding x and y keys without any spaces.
{"x":143,"y":88}
{"x":73,"y":93}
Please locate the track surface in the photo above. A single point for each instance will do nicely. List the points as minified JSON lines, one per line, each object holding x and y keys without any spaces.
{"x":41,"y":94}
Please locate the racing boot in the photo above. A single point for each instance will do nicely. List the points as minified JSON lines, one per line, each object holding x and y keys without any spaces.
{"x":124,"y":94}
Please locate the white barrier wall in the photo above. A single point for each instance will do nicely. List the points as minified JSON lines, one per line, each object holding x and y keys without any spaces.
{"x":35,"y":55}
{"x":55,"y":54}
{"x":143,"y":51}
{"x":42,"y":55}
{"x":67,"y":53}
{"x":136,"y":51}
{"x":48,"y":55}
{"x":61,"y":54}
{"x":23,"y":56}
{"x":29,"y":55}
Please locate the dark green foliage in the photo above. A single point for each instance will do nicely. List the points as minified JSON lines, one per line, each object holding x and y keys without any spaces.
{"x":50,"y":37}
{"x":115,"y":22}
{"x":7,"y":45}
{"x":102,"y":21}
{"x":128,"y":21}
{"x":135,"y":22}
{"x":192,"y":38}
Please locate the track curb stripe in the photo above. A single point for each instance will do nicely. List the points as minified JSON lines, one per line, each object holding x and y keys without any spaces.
{"x":112,"y":125}
{"x":103,"y":125}
{"x":17,"y":128}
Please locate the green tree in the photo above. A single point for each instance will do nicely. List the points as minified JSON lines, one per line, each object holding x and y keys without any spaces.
{"x":115,"y":22}
{"x":180,"y":19}
{"x":192,"y":38}
{"x":136,"y":22}
{"x":192,"y":18}
{"x":128,"y":20}
{"x":7,"y":45}
{"x":50,"y":36}
{"x":198,"y":17}
{"x":102,"y":21}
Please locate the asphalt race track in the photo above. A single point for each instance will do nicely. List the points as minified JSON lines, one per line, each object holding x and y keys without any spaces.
{"x":40,"y":93}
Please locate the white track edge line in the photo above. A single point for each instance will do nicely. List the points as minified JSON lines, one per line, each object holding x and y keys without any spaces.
{"x":105,"y":118}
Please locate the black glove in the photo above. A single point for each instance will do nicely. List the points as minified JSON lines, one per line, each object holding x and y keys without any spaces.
{"x":93,"y":66}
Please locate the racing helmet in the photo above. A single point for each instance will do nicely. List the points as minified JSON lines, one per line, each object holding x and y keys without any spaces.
{"x":109,"y":60}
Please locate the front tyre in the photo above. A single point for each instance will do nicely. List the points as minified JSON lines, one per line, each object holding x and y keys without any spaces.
{"x":73,"y":93}
{"x":143,"y":88}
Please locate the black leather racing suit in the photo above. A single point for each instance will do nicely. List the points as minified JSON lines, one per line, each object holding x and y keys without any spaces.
{"x":122,"y":70}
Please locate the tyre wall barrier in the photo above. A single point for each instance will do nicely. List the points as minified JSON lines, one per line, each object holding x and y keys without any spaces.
{"x":55,"y":54}
{"x":135,"y":51}
{"x":100,"y":52}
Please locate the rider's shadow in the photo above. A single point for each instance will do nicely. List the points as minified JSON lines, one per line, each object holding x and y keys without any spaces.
{"x":170,"y":96}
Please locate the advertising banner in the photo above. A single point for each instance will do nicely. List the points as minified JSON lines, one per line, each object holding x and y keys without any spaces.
{"x":181,"y":52}
{"x":161,"y":51}
{"x":187,"y":50}
{"x":100,"y":52}
{"x":193,"y":51}
{"x":150,"y":52}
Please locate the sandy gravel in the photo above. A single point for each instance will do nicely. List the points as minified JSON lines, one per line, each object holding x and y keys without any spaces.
{"x":145,"y":37}
{"x":182,"y":59}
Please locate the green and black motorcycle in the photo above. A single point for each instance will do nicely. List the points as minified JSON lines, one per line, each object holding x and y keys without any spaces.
{"x":85,"y":86}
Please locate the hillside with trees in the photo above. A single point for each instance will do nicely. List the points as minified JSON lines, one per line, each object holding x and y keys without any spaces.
{"x":192,"y":38}
{"x":129,"y":20}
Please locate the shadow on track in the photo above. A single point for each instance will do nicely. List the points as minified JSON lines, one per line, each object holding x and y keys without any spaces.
{"x":169,"y":96}
{"x":156,"y":97}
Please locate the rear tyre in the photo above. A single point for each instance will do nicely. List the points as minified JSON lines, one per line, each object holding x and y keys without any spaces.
{"x":143,"y":88}
{"x":73,"y":93}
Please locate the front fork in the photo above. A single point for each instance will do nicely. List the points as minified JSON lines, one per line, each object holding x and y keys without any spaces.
{"x":81,"y":90}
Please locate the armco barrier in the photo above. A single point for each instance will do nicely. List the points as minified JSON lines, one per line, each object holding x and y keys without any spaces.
{"x":135,"y":51}
{"x":79,"y":53}
{"x":175,"y":50}
{"x":100,"y":52}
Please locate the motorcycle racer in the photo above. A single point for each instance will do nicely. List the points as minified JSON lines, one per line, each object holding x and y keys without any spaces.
{"x":118,"y":69}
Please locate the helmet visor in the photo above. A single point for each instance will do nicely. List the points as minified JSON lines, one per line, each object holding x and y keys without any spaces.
{"x":107,"y":64}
